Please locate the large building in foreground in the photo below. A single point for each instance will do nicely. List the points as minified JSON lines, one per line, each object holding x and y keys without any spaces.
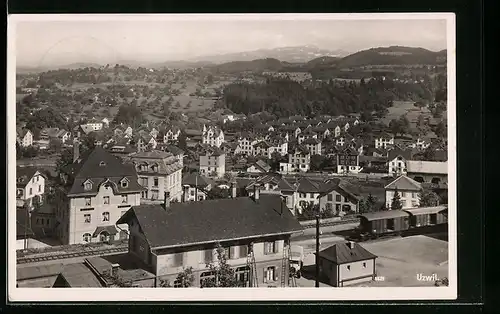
{"x":98,"y":190}
{"x":254,"y":232}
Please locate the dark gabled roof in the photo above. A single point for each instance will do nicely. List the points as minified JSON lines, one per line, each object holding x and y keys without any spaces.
{"x":263,"y":165}
{"x":268,"y":178}
{"x":167,"y":163}
{"x":300,"y":149}
{"x":348,"y":150}
{"x":111,"y":171}
{"x":194,"y":179}
{"x":311,"y":141}
{"x":404,"y":183}
{"x":340,"y":186}
{"x":25,"y":174}
{"x":427,"y":210}
{"x":306,"y":185}
{"x":342,"y":253}
{"x":284,"y":185}
{"x":213,"y":220}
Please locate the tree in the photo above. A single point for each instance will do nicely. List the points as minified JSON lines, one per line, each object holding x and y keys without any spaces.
{"x":309,"y":210}
{"x":419,"y":105}
{"x":224,"y":275}
{"x":372,"y":201}
{"x":317,"y":162}
{"x":184,"y":279}
{"x":428,"y":198}
{"x":396,"y":201}
{"x":441,"y":130}
{"x":55,"y":145}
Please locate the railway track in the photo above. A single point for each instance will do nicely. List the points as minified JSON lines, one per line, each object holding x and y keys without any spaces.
{"x":27,"y":259}
{"x":331,"y":223}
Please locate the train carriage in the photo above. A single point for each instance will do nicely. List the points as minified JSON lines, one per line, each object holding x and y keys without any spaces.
{"x":428,"y":216}
{"x":384,"y":222}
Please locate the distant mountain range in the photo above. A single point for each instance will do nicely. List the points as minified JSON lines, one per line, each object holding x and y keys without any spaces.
{"x":302,"y":57}
{"x":298,"y":54}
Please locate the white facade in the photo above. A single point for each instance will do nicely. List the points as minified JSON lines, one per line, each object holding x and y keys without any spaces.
{"x":345,"y":169}
{"x":211,"y":164}
{"x":384,"y":142}
{"x":246,"y":146}
{"x":27,"y":139}
{"x":96,"y":126}
{"x":212,"y":136}
{"x":34,"y":188}
{"x":409,"y":199}
{"x":85,"y":214}
{"x":397,"y":166}
{"x":171,"y":136}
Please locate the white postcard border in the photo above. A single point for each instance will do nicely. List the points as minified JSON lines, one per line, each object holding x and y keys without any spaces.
{"x":232,"y":294}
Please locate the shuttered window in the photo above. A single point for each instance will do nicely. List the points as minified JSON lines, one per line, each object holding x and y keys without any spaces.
{"x":178,"y":259}
{"x":243,"y":250}
{"x":208,"y":256}
{"x":270,"y":247}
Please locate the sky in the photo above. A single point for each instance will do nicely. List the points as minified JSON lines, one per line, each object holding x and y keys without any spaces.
{"x":45,"y":43}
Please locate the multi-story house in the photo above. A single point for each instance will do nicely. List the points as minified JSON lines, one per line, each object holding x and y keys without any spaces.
{"x":246,"y":142}
{"x":274,"y":184}
{"x":123,"y":130}
{"x":30,"y":186}
{"x":344,"y":139}
{"x":268,"y":148}
{"x":25,"y":138}
{"x":212,"y":136}
{"x":55,"y":133}
{"x":105,"y":122}
{"x":95,"y":124}
{"x":145,"y":142}
{"x":97,"y":190}
{"x":171,"y":135}
{"x":322,"y":131}
{"x":306,"y":134}
{"x":299,"y":160}
{"x":308,"y":192}
{"x":407,"y":189}
{"x":158,"y":172}
{"x":397,"y":159}
{"x":293,"y":131}
{"x":338,"y":196}
{"x":332,"y":125}
{"x":253,"y":247}
{"x":196,"y":187}
{"x":384,"y":140}
{"x":212,"y":162}
{"x":348,"y":161}
{"x":313,"y":145}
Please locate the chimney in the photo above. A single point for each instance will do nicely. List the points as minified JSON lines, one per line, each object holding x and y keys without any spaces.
{"x":233,"y":189}
{"x":351,"y":244}
{"x":76,"y":150}
{"x":256,"y":191}
{"x":185,"y":189}
{"x":166,"y":200}
{"x":114,"y":269}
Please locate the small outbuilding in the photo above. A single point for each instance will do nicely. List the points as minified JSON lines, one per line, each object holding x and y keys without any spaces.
{"x":428,"y":216}
{"x":385,"y":221}
{"x":347,"y":264}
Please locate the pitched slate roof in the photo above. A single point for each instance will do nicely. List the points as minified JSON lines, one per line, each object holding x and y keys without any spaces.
{"x":384,"y":215}
{"x":406,"y":154}
{"x":306,"y":185}
{"x":311,"y":141}
{"x":268,"y":178}
{"x":262,"y":165}
{"x":213,"y":220}
{"x":431,"y":167}
{"x":25,"y":174}
{"x":194,"y":179}
{"x":427,"y":210}
{"x":404,"y":183}
{"x":100,"y":166}
{"x":340,"y":186}
{"x":167,"y":162}
{"x":342,"y":253}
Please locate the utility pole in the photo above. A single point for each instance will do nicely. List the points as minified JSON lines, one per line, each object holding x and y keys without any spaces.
{"x":317,"y":251}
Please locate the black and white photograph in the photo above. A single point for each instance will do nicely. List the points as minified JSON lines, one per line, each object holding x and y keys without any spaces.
{"x":311,"y":153}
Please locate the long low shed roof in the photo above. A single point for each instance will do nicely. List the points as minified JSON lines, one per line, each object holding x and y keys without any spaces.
{"x":426,"y":210}
{"x":388,"y":214}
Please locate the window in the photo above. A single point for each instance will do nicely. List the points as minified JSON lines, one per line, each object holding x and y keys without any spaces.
{"x":403,"y":194}
{"x":364,"y":265}
{"x":105,"y":216}
{"x":208,"y":256}
{"x":124,"y":183}
{"x":155,"y":182}
{"x":106,"y":200}
{"x":124,"y":199}
{"x":311,"y":195}
{"x":338,"y":198}
{"x":345,"y":199}
{"x":228,"y":252}
{"x":87,"y":218}
{"x":39,"y":188}
{"x":329,"y":197}
{"x":87,"y":237}
{"x":31,"y":191}
{"x":243,"y":250}
{"x":178,"y":259}
{"x":192,"y":193}
{"x":414,"y":195}
{"x":270,"y":274}
{"x":348,"y":267}
{"x":88,"y":201}
{"x":102,"y":164}
{"x":270,"y":247}
{"x":88,"y":186}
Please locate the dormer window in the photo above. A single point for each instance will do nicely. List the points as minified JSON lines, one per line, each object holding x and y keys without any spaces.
{"x":124,"y":183}
{"x":102,"y":164}
{"x":87,"y":185}
{"x":154,"y":168}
